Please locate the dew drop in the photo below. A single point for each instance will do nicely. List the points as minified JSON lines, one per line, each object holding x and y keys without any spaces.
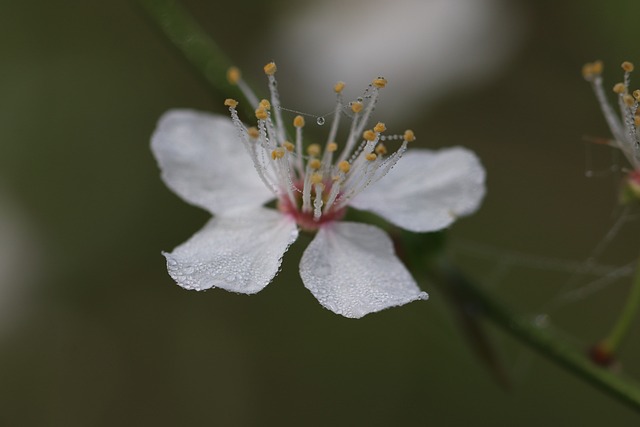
{"x":320,"y":121}
{"x":360,"y":99}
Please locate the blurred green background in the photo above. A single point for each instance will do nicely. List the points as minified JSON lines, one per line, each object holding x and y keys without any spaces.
{"x":94,"y":332}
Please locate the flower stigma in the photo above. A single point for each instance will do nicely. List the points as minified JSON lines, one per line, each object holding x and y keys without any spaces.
{"x":314,"y":185}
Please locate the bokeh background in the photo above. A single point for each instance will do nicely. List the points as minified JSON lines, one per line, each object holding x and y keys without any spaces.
{"x":94,"y":332}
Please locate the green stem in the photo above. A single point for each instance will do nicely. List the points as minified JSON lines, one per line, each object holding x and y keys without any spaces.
{"x":486,"y":304}
{"x":620,"y":329}
{"x":197,"y":47}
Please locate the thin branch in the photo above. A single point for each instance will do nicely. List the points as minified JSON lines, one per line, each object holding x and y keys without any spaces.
{"x":485,"y":304}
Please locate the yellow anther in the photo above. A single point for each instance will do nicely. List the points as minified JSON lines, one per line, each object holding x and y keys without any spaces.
{"x":298,"y":121}
{"x":409,"y":136}
{"x":261,"y":113}
{"x":592,"y":69}
{"x":230,"y":102}
{"x":381,"y":150}
{"x":288,"y":146}
{"x":338,"y":87}
{"x":265,"y":104}
{"x":233,"y":75}
{"x":278,"y":153}
{"x":253,"y":132}
{"x":628,"y":100}
{"x":369,"y":135}
{"x":344,"y":166}
{"x":597,"y":67}
{"x":270,"y":69}
{"x":356,"y":107}
{"x":380,"y":127}
{"x":586,"y":70}
{"x":314,"y":150}
{"x":636,"y":94}
{"x":316,"y":178}
{"x":619,"y":88}
{"x":627,"y":66}
{"x":380,"y":82}
{"x":315,"y":164}
{"x":371,"y":157}
{"x":331,"y":147}
{"x":636,"y":120}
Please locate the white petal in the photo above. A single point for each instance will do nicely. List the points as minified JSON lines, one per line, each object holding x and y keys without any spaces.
{"x":240,"y":253}
{"x":352,"y":270}
{"x":203,"y":161}
{"x":427,"y":190}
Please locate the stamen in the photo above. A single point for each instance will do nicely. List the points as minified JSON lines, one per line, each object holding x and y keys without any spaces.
{"x":327,"y":157}
{"x":265,"y":104}
{"x":231,"y":103}
{"x":314,"y":150}
{"x":261,"y":114}
{"x":369,"y":135}
{"x":253,"y":132}
{"x":344,"y":166}
{"x":409,"y":136}
{"x":318,"y":188}
{"x":619,"y":88}
{"x":278,"y":153}
{"x":288,"y":146}
{"x":380,"y":82}
{"x":311,"y":180}
{"x":380,"y":127}
{"x":270,"y":69}
{"x":234,"y":77}
{"x":251,"y":148}
{"x":594,"y":76}
{"x":298,"y":123}
{"x":381,"y":150}
{"x":628,"y":100}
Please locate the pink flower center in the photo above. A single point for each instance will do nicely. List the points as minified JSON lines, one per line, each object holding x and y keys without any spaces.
{"x":306,"y":219}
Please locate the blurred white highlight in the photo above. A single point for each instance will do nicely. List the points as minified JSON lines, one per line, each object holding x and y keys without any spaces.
{"x":425,"y":48}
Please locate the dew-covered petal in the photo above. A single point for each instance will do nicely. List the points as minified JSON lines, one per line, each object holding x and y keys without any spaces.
{"x":203,"y":161}
{"x":240,"y":253}
{"x":352,"y":270}
{"x":427,"y":190}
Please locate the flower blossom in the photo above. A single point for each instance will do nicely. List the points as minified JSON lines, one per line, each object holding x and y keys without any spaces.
{"x":232,"y":171}
{"x":624,"y":127}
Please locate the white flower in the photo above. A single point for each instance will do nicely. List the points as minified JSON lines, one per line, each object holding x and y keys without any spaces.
{"x":232,"y":171}
{"x":625,"y":128}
